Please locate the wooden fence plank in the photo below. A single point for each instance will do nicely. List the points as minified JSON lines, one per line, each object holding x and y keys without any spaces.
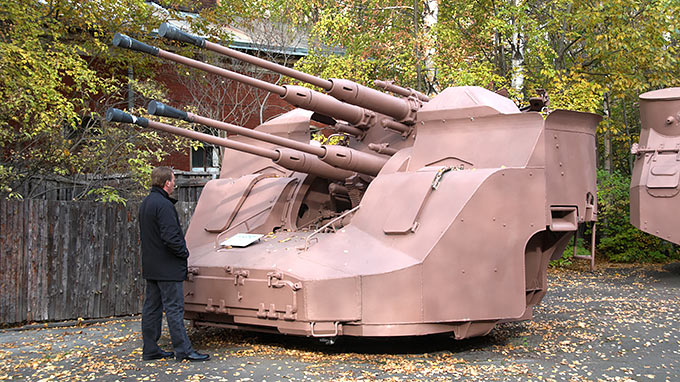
{"x":53,"y":276}
{"x":128,"y":288}
{"x":75,"y":266}
{"x":21,"y":265}
{"x":116,"y":276}
{"x":135,"y":242}
{"x":89,"y":256}
{"x":91,"y":226}
{"x":41,"y":298}
{"x":31,"y":259}
{"x":69,"y":268}
{"x":19,"y":213}
{"x":5,"y":255}
{"x":44,"y":260}
{"x":27,"y":278}
{"x":116,"y":248}
{"x":124,"y":282}
{"x":15,"y":247}
{"x":103,"y":251}
{"x":64,"y":241}
{"x":107,"y":275}
{"x":33,"y":254}
{"x":110,"y":288}
{"x":3,"y":260}
{"x":98,"y":230}
{"x":87,"y":228}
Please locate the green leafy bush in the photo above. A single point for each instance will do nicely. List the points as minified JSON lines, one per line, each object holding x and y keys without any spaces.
{"x":619,"y":241}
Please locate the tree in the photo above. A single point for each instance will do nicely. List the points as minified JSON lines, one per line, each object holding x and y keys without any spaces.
{"x":272,"y":36}
{"x":593,"y":56}
{"x":365,"y":40}
{"x":589,"y":56}
{"x":57,"y":74}
{"x":57,"y":77}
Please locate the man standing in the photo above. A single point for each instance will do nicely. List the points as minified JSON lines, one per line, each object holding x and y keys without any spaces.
{"x":164,"y":267}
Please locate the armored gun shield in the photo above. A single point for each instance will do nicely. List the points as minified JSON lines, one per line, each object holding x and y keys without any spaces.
{"x":453,"y":235}
{"x":654,"y":200}
{"x":435,"y":215}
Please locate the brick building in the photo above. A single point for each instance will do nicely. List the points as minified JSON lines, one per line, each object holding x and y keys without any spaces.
{"x":226,"y":100}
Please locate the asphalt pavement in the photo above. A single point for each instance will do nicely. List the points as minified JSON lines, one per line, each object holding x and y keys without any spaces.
{"x":620,"y":323}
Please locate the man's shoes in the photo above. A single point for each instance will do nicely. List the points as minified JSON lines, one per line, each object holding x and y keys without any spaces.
{"x":194,"y":357}
{"x":161,"y":355}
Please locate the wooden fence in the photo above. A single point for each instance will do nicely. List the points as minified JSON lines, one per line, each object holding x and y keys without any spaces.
{"x":188,"y":186}
{"x":63,"y":260}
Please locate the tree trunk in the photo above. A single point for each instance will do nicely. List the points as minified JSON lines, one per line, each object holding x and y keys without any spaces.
{"x":630,"y":141}
{"x":430,"y":18}
{"x":607,"y":136}
{"x":131,"y":91}
{"x":517,"y":54}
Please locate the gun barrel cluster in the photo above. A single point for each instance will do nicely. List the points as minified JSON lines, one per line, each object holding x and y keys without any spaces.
{"x":340,"y":109}
{"x":346,"y":100}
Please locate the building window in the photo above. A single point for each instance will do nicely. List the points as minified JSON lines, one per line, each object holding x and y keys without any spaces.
{"x":205,"y":159}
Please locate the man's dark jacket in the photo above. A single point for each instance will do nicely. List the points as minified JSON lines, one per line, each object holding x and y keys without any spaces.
{"x":164,"y":251}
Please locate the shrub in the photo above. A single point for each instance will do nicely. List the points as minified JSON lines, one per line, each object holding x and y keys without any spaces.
{"x":582,"y":249}
{"x":618,"y":240}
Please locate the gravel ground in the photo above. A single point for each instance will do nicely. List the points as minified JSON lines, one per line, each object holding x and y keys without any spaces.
{"x":619,"y":323}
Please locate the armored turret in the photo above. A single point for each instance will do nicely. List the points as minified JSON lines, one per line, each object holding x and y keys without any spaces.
{"x":453,"y":208}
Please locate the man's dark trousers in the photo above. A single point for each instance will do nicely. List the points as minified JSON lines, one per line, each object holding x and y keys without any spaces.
{"x":168,"y":296}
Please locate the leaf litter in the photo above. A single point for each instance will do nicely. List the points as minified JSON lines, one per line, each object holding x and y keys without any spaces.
{"x":616,"y":324}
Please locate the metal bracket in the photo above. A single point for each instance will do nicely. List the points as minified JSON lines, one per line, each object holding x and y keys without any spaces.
{"x":637,"y":150}
{"x":592,"y":248}
{"x":209,"y":306}
{"x":191,"y":272}
{"x":275,"y":280}
{"x":240,"y":276}
{"x":336,"y":325}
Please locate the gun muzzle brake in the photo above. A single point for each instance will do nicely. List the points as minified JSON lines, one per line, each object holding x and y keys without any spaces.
{"x":122,"y":41}
{"x":162,"y":110}
{"x":117,"y":115}
{"x":172,"y":33}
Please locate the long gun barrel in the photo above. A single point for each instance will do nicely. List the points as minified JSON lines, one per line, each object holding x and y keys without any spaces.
{"x":295,"y":95}
{"x":406,"y":92}
{"x":401,"y":109}
{"x":291,"y":159}
{"x":338,"y":156}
